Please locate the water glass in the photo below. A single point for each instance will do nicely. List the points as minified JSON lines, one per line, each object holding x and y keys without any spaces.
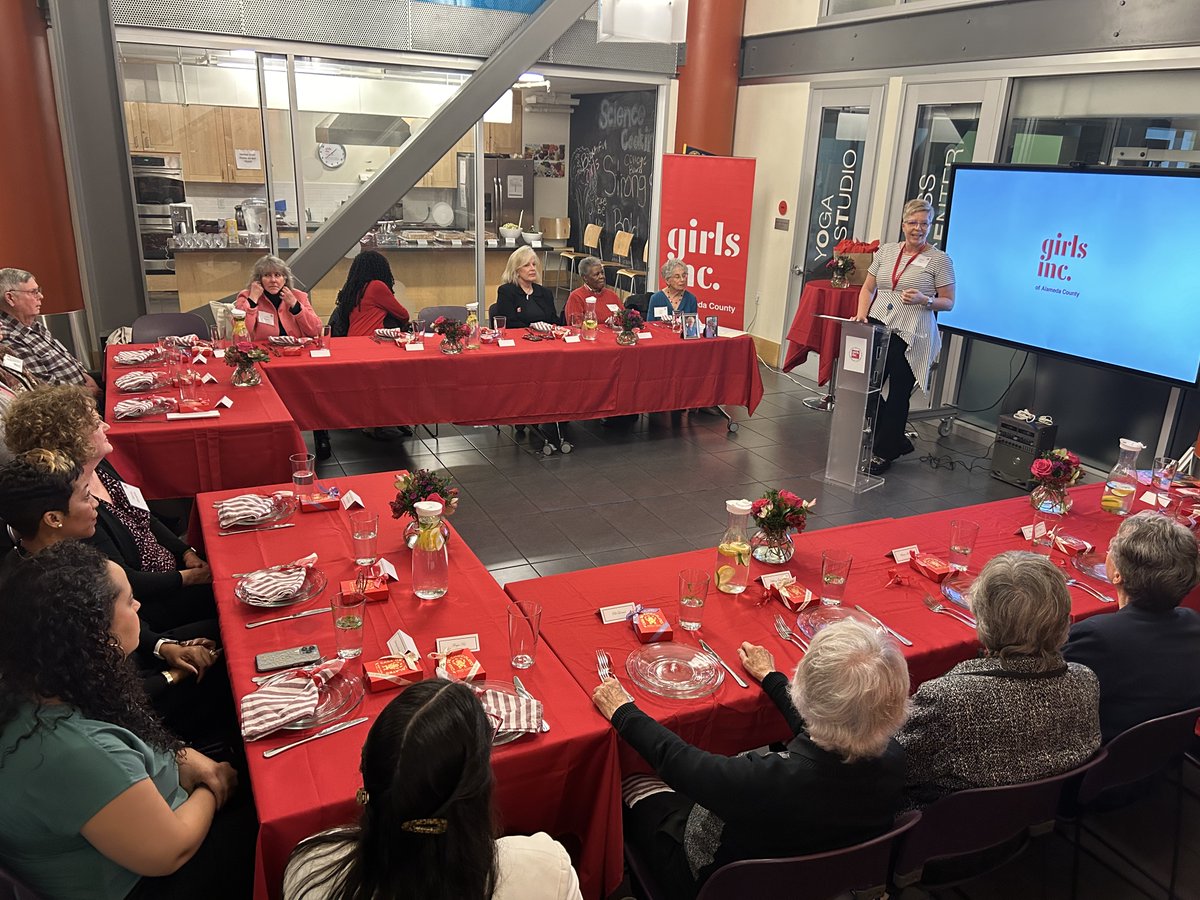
{"x":304,"y":475}
{"x":1045,"y":529}
{"x":323,"y":340}
{"x":499,"y":323}
{"x":189,"y":390}
{"x":524,"y":626}
{"x":693,"y":589}
{"x":835,"y":569}
{"x":364,"y":534}
{"x":349,"y":611}
{"x":576,"y":324}
{"x":214,"y":336}
{"x":1162,"y":476}
{"x":962,"y":541}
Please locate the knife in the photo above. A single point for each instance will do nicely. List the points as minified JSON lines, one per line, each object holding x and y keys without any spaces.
{"x":299,"y":615}
{"x":332,"y":729}
{"x":897,"y":635}
{"x":517,"y":683}
{"x":264,"y":528}
{"x":713,"y":653}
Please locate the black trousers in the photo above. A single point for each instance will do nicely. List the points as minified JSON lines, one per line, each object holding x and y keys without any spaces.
{"x":892,"y":413}
{"x":655,"y":828}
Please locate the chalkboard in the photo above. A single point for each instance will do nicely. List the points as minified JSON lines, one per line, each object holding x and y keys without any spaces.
{"x":611,"y":169}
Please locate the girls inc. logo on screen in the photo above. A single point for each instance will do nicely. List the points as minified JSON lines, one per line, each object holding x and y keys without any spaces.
{"x":693,"y":240}
{"x":1055,"y":248}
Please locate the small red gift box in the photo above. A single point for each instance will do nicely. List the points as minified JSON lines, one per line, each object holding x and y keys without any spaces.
{"x":394,"y":672}
{"x":930,"y":566}
{"x":318,"y":504}
{"x":651,"y":626}
{"x":461,"y":665}
{"x":377,"y":587}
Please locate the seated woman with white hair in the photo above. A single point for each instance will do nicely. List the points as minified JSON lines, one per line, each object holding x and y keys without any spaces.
{"x":839,"y":782}
{"x":1018,"y":713}
{"x":674,"y":298}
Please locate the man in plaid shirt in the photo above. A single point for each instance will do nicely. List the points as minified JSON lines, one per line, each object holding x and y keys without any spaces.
{"x":34,"y":350}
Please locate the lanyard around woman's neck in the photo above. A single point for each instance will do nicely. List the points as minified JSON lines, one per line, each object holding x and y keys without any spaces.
{"x":896,"y":278}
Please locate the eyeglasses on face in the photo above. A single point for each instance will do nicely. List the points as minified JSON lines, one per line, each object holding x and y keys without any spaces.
{"x":917,"y":223}
{"x":37,"y":291}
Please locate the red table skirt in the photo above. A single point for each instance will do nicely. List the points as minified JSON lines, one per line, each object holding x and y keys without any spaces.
{"x":247,"y":445}
{"x":810,"y":334}
{"x":564,"y":781}
{"x":365,"y":383}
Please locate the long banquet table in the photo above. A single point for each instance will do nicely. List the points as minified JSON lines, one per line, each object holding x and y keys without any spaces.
{"x":367,"y":383}
{"x":564,"y":781}
{"x":248,"y":444}
{"x":735,"y":719}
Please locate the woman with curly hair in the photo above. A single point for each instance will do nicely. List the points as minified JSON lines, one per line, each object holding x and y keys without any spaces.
{"x":366,"y":300}
{"x":168,"y":576}
{"x":426,"y":825}
{"x":100,"y":801}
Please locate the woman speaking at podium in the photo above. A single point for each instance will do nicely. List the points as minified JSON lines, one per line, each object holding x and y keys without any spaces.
{"x":906,"y":286}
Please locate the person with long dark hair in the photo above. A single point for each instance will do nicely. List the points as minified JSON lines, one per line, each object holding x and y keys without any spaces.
{"x":100,"y":800}
{"x":426,"y":824}
{"x":366,"y":301}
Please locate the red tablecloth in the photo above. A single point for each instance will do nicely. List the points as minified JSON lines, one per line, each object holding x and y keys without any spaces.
{"x":735,"y":719}
{"x":810,"y":334}
{"x":248,"y":445}
{"x":365,"y":383}
{"x":563,"y":781}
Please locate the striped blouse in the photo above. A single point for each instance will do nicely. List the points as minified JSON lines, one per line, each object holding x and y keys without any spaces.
{"x":931,"y":270}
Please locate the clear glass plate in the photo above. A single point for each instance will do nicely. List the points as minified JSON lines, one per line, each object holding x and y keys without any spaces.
{"x":955,"y":588}
{"x":813,"y":619}
{"x":336,"y":699}
{"x":674,"y":671}
{"x":283,"y":506}
{"x":1091,"y":564}
{"x":314,"y":583}
{"x":501,"y":687}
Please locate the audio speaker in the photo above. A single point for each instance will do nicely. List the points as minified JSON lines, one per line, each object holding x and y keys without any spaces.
{"x":1018,"y":444}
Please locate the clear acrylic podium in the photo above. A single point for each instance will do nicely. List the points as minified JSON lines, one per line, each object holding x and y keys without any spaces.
{"x":859,"y":382}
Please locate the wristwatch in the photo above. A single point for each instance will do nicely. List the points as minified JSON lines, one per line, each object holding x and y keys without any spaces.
{"x":158,"y":648}
{"x":169,"y":676}
{"x":929,"y":303}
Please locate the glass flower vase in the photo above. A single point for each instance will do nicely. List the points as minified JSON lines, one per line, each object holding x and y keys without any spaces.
{"x":772,"y":546}
{"x":626,"y":338}
{"x":839,"y":281}
{"x":246,"y":376}
{"x":1048,"y":498}
{"x":450,"y":347}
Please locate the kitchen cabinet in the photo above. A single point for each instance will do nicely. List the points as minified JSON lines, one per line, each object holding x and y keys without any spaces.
{"x":213,"y":135}
{"x":502,"y":138}
{"x":156,"y":127}
{"x":444,"y":172}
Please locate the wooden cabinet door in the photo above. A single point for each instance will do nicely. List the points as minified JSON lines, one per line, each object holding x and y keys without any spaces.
{"x":243,"y":131}
{"x":133,"y":125}
{"x":162,"y":126}
{"x":204,"y":157}
{"x":499,"y":137}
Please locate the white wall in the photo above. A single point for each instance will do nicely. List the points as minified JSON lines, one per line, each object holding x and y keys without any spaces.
{"x":764,"y":16}
{"x":549,"y":194}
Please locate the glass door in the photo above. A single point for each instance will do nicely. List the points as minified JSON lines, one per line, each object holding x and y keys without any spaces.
{"x":840,"y":149}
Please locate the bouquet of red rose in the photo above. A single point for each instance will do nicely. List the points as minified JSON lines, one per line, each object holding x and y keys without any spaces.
{"x":452,"y":330}
{"x":413,"y":487}
{"x":244,"y":353}
{"x":840,"y":266}
{"x":1056,"y":468}
{"x":628,"y":319}
{"x":778,"y":511}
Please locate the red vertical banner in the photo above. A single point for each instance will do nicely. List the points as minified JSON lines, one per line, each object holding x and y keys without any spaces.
{"x":705,"y":224}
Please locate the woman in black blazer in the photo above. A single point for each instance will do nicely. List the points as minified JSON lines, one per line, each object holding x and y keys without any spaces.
{"x":520,"y":299}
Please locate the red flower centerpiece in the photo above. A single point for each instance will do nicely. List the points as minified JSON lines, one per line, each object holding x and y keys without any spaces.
{"x":453,"y":334}
{"x":778,"y":513}
{"x":412,"y":488}
{"x":242,"y":356}
{"x":630,"y":322}
{"x":1054,"y":472}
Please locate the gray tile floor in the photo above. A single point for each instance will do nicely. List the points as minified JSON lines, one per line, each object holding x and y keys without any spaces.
{"x":658,"y":486}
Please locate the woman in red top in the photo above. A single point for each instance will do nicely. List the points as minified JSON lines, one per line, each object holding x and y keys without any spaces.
{"x":366,"y":301}
{"x":274,"y":306}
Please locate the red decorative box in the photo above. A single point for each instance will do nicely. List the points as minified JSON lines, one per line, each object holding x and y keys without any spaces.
{"x":651,"y":626}
{"x":930,"y":566}
{"x":377,"y":587}
{"x":314,"y":504}
{"x":461,"y":665}
{"x":394,"y":672}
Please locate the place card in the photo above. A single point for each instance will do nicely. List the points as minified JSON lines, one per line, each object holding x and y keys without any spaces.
{"x":1155,"y":499}
{"x":492,"y":243}
{"x":225,"y":402}
{"x":1029,"y":532}
{"x":218,"y":354}
{"x":613,"y":308}
{"x":209,"y":414}
{"x":457,"y":642}
{"x":319,"y":354}
{"x":660,"y":312}
{"x":456,"y":242}
{"x":645,"y":335}
{"x":610,"y":615}
{"x":506,"y":342}
{"x":422,"y":243}
{"x":387,"y":569}
{"x":535,"y":244}
{"x":571,"y":339}
{"x":414,"y":348}
{"x":510,"y":242}
{"x":350,"y":499}
{"x":775,"y":579}
{"x":209,"y":378}
{"x":13,"y":363}
{"x":401,"y":644}
{"x":199,"y":360}
{"x":903,"y":554}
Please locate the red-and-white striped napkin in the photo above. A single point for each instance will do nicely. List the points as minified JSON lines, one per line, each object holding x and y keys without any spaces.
{"x":244,"y":509}
{"x":132,"y":382}
{"x":389,"y":334}
{"x":135,"y":408}
{"x":278,"y":582}
{"x":286,"y":340}
{"x":184,"y":340}
{"x":288,"y":698}
{"x":135,"y":357}
{"x":516,"y":713}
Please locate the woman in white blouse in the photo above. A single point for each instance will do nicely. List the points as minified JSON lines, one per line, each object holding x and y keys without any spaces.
{"x":907,"y":283}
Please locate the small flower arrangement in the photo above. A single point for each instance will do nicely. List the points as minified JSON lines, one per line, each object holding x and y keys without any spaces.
{"x":244,"y":354}
{"x":1056,"y":469}
{"x":776,"y":511}
{"x":628,"y":319}
{"x":413,"y":487}
{"x":840,"y":266}
{"x":451,"y":330}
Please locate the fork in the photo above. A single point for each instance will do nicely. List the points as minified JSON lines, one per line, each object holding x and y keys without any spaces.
{"x":935,"y":606}
{"x":603,"y":667}
{"x":1088,"y":589}
{"x":787,"y":634}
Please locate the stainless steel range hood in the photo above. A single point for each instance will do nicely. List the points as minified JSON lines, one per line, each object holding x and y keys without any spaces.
{"x":363,"y":129}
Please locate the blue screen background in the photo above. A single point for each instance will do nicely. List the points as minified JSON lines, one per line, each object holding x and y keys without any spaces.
{"x":1132,"y":302}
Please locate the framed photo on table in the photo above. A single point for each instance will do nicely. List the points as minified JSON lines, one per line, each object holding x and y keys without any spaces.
{"x":691,"y":327}
{"x":710,"y":326}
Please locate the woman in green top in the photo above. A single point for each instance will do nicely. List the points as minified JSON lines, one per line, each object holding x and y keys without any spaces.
{"x":97,"y":794}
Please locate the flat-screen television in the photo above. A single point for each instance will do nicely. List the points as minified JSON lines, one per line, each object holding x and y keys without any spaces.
{"x":1090,"y":263}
